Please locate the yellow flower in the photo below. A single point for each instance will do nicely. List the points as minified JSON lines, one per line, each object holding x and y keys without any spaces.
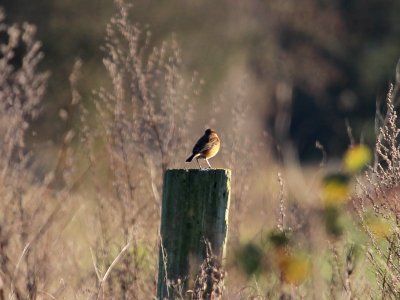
{"x":356,"y":158}
{"x":335,"y":189}
{"x":297,"y":270}
{"x":294,"y":268}
{"x":379,"y":227}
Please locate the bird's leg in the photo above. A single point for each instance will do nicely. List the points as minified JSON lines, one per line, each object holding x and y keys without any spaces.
{"x":197,"y":159}
{"x":208,"y":163}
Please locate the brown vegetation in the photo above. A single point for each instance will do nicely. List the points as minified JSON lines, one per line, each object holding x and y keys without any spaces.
{"x":88,"y":227}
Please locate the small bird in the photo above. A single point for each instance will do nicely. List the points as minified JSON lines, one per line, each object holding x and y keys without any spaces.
{"x":206,"y":147}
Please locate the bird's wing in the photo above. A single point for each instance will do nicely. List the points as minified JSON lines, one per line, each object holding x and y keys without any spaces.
{"x":205,"y":143}
{"x":200,"y":144}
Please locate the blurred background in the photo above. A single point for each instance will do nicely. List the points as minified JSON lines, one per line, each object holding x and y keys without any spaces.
{"x":311,"y":65}
{"x":288,"y":84}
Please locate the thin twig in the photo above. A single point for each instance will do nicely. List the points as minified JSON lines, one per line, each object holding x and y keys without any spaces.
{"x":95,"y":264}
{"x":112,"y":265}
{"x":115,"y":261}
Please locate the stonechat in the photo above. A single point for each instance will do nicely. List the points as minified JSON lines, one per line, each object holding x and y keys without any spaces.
{"x":206,"y":147}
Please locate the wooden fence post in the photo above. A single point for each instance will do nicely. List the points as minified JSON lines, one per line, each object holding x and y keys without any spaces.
{"x":195,"y":208}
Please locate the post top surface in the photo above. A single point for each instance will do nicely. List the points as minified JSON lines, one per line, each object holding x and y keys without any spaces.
{"x":200,"y":170}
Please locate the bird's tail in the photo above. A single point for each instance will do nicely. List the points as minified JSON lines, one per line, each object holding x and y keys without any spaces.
{"x":189,"y":159}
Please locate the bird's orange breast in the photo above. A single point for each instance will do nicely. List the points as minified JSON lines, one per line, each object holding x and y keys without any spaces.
{"x":213,"y":150}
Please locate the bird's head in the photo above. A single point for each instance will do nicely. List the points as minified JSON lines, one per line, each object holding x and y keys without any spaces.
{"x":210,"y":131}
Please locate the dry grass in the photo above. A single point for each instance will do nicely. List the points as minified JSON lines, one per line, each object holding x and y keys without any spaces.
{"x":378,"y":200}
{"x":89,"y":227}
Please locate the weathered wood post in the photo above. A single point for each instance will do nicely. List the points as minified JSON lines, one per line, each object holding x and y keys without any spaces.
{"x":195,"y":208}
